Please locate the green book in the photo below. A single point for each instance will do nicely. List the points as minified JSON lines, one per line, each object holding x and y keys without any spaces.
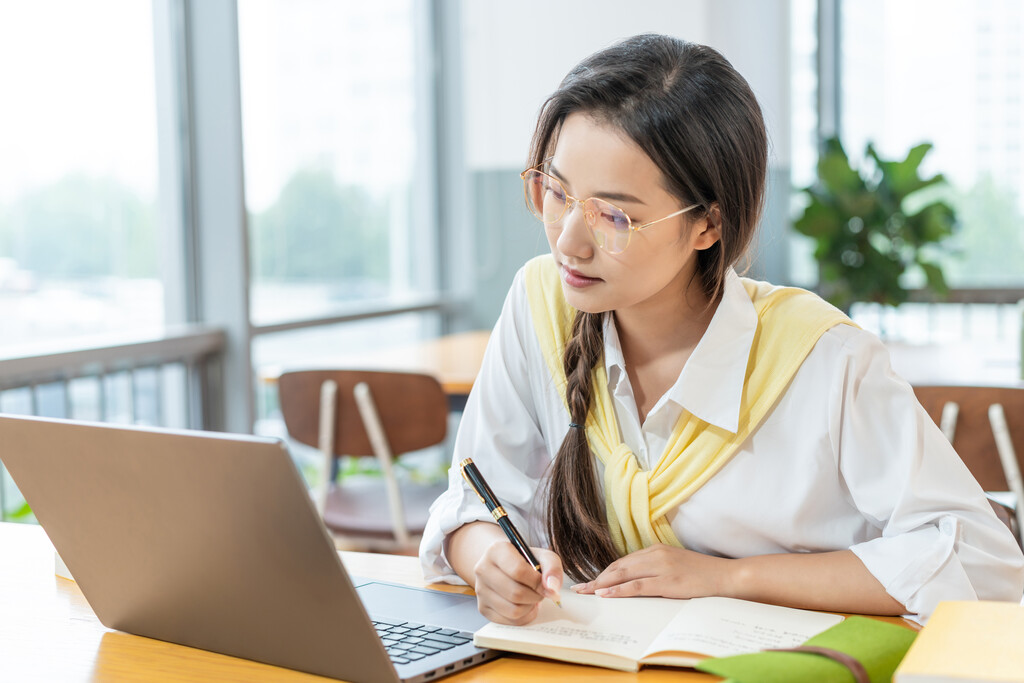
{"x":876,"y":645}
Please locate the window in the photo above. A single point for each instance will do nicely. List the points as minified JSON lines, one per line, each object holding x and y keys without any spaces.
{"x":78,"y":177}
{"x":948,"y":73}
{"x":803,"y":128}
{"x":339,"y":208}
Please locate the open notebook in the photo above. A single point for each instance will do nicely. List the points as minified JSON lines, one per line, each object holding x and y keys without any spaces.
{"x":626,"y":633}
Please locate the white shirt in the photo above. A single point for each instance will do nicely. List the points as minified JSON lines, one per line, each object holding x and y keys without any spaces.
{"x":846,"y":459}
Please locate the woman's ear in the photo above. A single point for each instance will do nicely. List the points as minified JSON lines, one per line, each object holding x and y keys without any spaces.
{"x":709,"y":229}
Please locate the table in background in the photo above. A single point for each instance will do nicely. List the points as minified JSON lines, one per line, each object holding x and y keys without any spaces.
{"x":454,"y":359}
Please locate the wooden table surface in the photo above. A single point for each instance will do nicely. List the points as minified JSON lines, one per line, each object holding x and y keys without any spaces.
{"x":49,"y":633}
{"x":454,"y":359}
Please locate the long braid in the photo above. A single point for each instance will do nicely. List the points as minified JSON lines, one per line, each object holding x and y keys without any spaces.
{"x":577,"y":524}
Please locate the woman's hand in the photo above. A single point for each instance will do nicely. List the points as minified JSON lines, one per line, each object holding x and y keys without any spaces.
{"x":508,"y":589}
{"x":664,"y":571}
{"x":835,"y":581}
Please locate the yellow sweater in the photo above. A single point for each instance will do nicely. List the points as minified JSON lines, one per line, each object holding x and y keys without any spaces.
{"x":790,"y":322}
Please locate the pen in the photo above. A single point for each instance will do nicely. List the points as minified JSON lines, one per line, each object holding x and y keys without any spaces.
{"x":476,"y":481}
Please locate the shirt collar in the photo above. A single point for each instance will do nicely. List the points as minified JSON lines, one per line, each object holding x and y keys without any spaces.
{"x":711,"y":384}
{"x":614,"y":363}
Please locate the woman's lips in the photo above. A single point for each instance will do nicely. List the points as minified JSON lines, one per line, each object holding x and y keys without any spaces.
{"x":576,"y":279}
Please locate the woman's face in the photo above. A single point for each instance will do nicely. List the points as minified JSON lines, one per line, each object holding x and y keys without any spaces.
{"x":594,"y":159}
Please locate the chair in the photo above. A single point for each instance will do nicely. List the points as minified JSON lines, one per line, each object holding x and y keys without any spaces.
{"x":986,"y":427}
{"x":367,"y":414}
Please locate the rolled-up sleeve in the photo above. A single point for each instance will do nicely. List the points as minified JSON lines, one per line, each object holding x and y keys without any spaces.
{"x":939,"y":538}
{"x":500,"y":430}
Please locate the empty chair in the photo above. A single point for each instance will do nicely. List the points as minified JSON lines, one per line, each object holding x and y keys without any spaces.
{"x":368,"y":414}
{"x":986,"y":427}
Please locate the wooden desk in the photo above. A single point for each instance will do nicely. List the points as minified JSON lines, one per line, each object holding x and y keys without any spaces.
{"x":454,"y":359}
{"x":49,"y":633}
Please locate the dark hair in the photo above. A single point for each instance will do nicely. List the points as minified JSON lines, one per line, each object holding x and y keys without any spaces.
{"x":686,"y":107}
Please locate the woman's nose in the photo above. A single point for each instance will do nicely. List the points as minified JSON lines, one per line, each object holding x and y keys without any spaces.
{"x":576,"y":238}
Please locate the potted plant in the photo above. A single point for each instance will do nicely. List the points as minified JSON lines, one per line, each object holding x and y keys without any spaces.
{"x":870,"y":226}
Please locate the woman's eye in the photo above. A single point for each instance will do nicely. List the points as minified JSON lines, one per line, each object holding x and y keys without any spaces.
{"x":557,"y":192}
{"x":620,"y":221}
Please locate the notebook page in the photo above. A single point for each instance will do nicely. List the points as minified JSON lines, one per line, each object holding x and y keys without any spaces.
{"x":586,"y":622}
{"x":719,"y":627}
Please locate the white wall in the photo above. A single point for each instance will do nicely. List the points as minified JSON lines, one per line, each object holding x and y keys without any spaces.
{"x":754,"y":36}
{"x":515,"y":53}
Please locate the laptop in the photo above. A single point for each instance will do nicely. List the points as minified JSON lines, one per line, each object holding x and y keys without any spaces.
{"x":212,"y":541}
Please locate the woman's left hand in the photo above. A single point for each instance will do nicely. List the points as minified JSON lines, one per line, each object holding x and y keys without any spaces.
{"x":663,"y":571}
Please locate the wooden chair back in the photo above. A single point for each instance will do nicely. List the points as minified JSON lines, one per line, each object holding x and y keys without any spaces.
{"x":973,"y":439}
{"x":413,"y":409}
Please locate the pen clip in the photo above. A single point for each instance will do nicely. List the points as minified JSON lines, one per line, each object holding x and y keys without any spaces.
{"x":462,"y":469}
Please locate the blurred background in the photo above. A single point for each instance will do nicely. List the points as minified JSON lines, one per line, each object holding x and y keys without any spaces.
{"x":196,"y":196}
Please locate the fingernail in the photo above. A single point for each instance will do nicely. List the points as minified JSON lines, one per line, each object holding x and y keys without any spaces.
{"x":601,"y":592}
{"x":553,"y":584}
{"x":577,"y":587}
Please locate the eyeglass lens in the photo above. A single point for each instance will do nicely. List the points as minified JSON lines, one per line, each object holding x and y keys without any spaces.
{"x":547,"y":200}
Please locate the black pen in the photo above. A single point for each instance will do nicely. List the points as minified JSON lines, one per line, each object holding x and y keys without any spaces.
{"x":476,"y":481}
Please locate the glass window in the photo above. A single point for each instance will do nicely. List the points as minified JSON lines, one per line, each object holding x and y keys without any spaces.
{"x":803,"y":128}
{"x":337,"y":210}
{"x":947,"y":72}
{"x":78,"y":177}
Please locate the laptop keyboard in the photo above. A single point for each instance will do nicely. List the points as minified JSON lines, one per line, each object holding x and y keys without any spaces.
{"x":408,"y":642}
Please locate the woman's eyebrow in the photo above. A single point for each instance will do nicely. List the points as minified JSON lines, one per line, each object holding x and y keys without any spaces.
{"x":612,"y":196}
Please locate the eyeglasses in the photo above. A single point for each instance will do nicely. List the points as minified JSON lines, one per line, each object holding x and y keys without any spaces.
{"x":609,"y":224}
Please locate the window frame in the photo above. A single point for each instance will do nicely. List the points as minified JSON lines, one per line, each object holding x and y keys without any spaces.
{"x":206,"y":241}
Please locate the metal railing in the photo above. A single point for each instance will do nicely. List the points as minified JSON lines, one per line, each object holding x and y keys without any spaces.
{"x":995,"y":315}
{"x":171,"y":379}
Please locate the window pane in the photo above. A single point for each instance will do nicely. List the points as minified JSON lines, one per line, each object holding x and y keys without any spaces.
{"x":946,"y":72}
{"x":330,"y":111}
{"x":78,"y":176}
{"x":803,"y":129}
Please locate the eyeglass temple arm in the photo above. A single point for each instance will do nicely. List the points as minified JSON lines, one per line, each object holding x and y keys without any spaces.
{"x":671,"y":215}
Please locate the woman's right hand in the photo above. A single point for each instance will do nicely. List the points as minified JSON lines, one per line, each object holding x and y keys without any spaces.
{"x":508,"y":589}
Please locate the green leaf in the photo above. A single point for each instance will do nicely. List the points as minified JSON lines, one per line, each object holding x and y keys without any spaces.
{"x":936,"y":280}
{"x":21,"y":514}
{"x":866,"y":235}
{"x":818,"y":220}
{"x":834,"y":169}
{"x":932,"y":223}
{"x":902,"y":178}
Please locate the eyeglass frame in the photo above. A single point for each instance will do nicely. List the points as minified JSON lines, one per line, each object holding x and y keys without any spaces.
{"x":580,"y":202}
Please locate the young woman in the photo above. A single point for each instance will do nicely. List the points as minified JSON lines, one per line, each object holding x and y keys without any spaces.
{"x":655,"y":424}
